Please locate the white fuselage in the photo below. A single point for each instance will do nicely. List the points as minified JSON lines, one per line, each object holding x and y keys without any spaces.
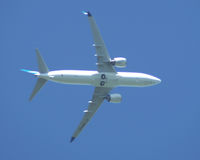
{"x":94,"y":78}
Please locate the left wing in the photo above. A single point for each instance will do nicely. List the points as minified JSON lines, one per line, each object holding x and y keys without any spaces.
{"x":98,"y":97}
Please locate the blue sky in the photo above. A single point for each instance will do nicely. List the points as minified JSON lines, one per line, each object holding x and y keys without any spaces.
{"x":157,"y":37}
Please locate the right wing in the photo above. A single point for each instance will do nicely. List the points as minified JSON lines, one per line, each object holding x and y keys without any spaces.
{"x":98,"y":97}
{"x":103,"y":58}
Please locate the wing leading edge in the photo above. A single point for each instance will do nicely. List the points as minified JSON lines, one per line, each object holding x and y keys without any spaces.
{"x":98,"y":97}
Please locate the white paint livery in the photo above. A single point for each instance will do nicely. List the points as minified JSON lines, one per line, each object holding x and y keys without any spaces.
{"x":94,"y":78}
{"x":104,"y":79}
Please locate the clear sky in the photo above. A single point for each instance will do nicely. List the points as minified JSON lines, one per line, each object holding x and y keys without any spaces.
{"x":158,"y":37}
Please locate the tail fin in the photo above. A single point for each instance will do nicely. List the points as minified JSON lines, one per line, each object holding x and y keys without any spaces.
{"x":42,"y":67}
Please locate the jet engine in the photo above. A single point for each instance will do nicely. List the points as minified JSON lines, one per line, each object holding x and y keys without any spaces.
{"x":114,"y":98}
{"x":119,"y":62}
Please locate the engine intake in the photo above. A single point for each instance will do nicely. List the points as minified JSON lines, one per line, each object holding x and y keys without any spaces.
{"x":119,"y":62}
{"x":114,"y":98}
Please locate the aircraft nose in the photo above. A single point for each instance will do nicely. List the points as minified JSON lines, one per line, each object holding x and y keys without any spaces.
{"x":156,"y":80}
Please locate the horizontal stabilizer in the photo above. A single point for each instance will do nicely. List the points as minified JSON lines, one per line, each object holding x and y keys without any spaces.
{"x":41,"y":64}
{"x":40,"y":82}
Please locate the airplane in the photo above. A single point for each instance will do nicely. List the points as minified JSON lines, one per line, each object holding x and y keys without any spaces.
{"x":104,"y":79}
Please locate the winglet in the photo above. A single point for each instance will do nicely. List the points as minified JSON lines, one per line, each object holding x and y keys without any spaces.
{"x":87,"y":13}
{"x":72,"y":139}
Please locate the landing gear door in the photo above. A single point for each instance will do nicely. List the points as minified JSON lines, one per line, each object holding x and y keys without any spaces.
{"x":105,"y":80}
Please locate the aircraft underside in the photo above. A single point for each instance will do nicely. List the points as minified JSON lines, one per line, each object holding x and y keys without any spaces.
{"x":104,"y":79}
{"x":94,"y":78}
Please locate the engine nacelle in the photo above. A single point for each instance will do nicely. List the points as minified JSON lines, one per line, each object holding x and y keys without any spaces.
{"x":114,"y":98}
{"x":119,"y":62}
